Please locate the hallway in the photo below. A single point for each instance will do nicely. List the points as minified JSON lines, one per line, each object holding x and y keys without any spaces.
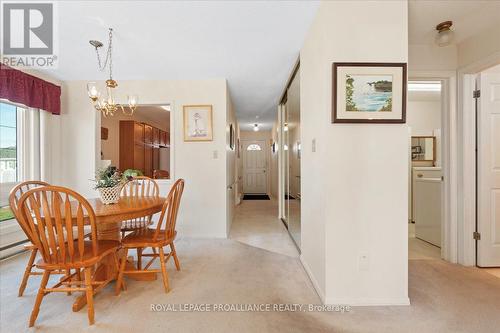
{"x":256,"y":224}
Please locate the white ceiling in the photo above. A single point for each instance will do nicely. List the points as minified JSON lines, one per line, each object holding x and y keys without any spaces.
{"x":253,"y":44}
{"x":155,"y":113}
{"x":469,"y":17}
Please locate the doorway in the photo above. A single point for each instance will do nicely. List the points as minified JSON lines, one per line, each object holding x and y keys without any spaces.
{"x":426,"y":189}
{"x":254,"y":167}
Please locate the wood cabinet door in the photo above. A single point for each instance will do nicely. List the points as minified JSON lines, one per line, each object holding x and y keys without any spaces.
{"x":138,"y":133}
{"x":139,"y":156}
{"x":148,"y":134}
{"x":148,"y":160}
{"x":162,"y":138}
{"x":156,"y":158}
{"x":156,"y":136}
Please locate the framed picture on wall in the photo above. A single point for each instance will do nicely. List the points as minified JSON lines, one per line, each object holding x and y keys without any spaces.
{"x":231,"y":137}
{"x":369,"y":92}
{"x":238,"y":148}
{"x":198,"y":123}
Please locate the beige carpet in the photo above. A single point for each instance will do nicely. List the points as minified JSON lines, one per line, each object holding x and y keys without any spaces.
{"x":445,"y":297}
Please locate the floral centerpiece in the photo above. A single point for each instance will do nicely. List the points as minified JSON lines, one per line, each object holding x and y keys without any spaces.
{"x":109,"y":183}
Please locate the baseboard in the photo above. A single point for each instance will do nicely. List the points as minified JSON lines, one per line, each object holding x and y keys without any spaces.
{"x":403,"y":301}
{"x":314,"y":282}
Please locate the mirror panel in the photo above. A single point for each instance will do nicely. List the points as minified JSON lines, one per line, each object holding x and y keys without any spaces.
{"x":423,"y":148}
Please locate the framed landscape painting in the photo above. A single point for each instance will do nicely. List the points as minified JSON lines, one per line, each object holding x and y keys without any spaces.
{"x":369,"y":92}
{"x":198,"y":123}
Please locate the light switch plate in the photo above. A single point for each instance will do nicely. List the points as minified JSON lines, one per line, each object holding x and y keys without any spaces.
{"x":313,"y":145}
{"x":216,"y":154}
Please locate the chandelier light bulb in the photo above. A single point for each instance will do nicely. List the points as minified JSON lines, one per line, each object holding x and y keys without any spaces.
{"x":92,"y":90}
{"x":132,"y":100}
{"x":256,"y":127}
{"x":285,"y":127}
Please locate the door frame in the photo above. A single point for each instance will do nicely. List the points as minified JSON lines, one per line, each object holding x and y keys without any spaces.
{"x":449,"y":142}
{"x":266,"y":155}
{"x":466,"y":104}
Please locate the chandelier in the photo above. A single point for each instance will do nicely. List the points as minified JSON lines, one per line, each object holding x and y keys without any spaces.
{"x":107,"y":105}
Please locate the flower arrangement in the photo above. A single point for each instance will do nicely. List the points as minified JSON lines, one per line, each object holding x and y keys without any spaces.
{"x":108,"y":177}
{"x":109,"y":183}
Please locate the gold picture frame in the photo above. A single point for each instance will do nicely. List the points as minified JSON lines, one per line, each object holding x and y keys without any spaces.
{"x":198,"y":123}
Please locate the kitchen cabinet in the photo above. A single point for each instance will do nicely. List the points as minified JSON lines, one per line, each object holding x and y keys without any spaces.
{"x":140,"y":146}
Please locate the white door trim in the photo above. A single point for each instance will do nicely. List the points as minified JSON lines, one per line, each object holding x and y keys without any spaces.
{"x":449,"y":228}
{"x":466,"y":106}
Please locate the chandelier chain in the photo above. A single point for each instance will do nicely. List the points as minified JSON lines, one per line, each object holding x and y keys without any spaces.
{"x":109,"y":58}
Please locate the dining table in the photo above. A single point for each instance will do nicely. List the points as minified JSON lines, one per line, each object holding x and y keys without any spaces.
{"x":109,"y":218}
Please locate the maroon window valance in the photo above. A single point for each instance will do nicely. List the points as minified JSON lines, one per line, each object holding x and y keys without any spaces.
{"x":19,"y":87}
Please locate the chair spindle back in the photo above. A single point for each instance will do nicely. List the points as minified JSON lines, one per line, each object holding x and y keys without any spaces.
{"x":170,"y":210}
{"x":52,"y":215}
{"x":15,"y":195}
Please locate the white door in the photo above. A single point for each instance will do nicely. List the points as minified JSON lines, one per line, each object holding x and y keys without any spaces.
{"x":254,"y":167}
{"x":488,"y":171}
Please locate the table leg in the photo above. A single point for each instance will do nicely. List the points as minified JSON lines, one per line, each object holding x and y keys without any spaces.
{"x":106,"y":269}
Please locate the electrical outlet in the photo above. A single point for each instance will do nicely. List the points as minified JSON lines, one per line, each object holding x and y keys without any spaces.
{"x":363,"y":261}
{"x":313,"y":145}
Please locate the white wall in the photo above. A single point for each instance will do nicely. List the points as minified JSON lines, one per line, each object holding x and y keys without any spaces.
{"x":423,"y":116}
{"x":347,"y":211}
{"x":203,"y":207}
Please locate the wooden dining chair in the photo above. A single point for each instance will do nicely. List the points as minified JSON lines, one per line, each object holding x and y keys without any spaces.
{"x":156,"y":238}
{"x":14,"y":196}
{"x":140,"y":186}
{"x":51,"y":215}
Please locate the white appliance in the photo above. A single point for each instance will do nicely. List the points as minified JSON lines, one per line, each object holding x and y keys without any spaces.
{"x":427,"y":184}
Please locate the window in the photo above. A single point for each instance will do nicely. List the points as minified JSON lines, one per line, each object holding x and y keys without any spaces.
{"x":254,"y":147}
{"x":8,"y":143}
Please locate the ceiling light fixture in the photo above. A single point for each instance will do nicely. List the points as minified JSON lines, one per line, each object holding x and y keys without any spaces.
{"x":256,"y":127}
{"x":107,"y":105}
{"x":445,"y":35}
{"x":424,"y":86}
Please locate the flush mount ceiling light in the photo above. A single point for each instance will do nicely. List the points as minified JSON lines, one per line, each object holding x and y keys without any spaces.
{"x":256,"y":127}
{"x":445,"y":35}
{"x":107,"y":105}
